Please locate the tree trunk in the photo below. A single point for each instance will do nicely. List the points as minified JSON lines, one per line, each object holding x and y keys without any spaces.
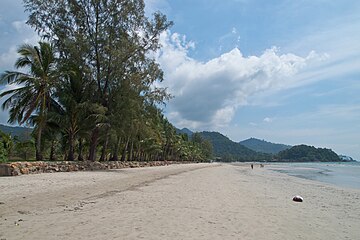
{"x":52,"y":151}
{"x":93,"y":144}
{"x":39,"y":156}
{"x":131,"y":151}
{"x":70,"y":156}
{"x":116,"y":150}
{"x":103,"y":151}
{"x":80,"y":156}
{"x":123,"y":157}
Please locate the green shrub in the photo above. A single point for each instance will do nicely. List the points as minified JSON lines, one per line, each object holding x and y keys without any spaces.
{"x":3,"y":153}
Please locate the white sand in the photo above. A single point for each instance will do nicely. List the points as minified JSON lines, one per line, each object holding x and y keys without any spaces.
{"x":197,"y":201}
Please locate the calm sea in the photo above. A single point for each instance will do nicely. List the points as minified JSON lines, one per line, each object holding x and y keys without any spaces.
{"x":340,"y":174}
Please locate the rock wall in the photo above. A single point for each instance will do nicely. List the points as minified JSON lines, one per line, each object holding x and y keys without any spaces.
{"x":19,"y":168}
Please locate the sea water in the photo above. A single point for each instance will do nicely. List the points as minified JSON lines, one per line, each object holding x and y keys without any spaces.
{"x":343,"y":174}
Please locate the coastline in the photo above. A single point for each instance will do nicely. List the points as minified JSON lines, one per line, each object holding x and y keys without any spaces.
{"x":191,"y":201}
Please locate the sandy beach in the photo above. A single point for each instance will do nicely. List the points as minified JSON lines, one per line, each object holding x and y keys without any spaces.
{"x":192,"y":201}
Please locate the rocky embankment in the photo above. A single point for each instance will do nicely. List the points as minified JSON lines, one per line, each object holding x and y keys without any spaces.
{"x":19,"y":168}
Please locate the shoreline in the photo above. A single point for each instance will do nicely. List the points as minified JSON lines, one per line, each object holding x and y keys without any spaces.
{"x":191,"y":201}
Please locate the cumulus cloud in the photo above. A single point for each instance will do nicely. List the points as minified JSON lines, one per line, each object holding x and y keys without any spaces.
{"x":207,"y":94}
{"x":22,"y":34}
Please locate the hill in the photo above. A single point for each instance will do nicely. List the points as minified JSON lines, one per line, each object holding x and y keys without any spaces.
{"x":184,"y":131}
{"x":304,"y":153}
{"x":228,"y":150}
{"x":22,"y":133}
{"x":264,"y":146}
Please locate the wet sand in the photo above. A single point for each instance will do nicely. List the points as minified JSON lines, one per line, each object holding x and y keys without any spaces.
{"x":192,"y":201}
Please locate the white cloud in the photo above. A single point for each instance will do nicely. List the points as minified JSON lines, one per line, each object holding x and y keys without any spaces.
{"x":268,"y":120}
{"x":24,"y":34}
{"x":20,"y":26}
{"x":8,"y":58}
{"x":207,"y":94}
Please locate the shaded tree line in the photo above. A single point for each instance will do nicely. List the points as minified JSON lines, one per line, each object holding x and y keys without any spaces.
{"x":89,"y":88}
{"x":15,"y":148}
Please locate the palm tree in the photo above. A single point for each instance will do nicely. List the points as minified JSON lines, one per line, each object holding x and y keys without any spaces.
{"x":35,"y":88}
{"x":68,"y":117}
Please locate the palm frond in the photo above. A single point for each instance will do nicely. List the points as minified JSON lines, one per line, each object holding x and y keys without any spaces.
{"x":33,"y":104}
{"x":10,"y":77}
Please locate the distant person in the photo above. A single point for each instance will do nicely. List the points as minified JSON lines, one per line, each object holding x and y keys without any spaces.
{"x":252,"y":166}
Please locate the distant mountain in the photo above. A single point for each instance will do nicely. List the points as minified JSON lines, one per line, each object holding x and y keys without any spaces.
{"x":184,"y":131}
{"x":228,"y":150}
{"x":22,"y":133}
{"x":264,"y":146}
{"x":304,"y":153}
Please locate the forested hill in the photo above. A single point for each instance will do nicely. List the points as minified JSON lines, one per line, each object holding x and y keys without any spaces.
{"x":22,"y":133}
{"x":264,"y":146}
{"x":228,"y":150}
{"x":304,"y":153}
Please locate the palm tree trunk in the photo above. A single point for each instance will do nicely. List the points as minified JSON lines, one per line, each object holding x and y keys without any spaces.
{"x":39,"y":156}
{"x":80,"y":156}
{"x":52,"y":151}
{"x":70,"y":156}
{"x":93,"y":144}
{"x":103,"y":151}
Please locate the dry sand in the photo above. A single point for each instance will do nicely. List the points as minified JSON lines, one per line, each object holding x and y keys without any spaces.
{"x":196,"y":201}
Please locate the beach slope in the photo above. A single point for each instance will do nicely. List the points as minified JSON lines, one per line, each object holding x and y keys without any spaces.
{"x":192,"y":201}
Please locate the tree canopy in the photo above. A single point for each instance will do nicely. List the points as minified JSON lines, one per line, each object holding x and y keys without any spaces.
{"x":304,"y":153}
{"x":97,"y":78}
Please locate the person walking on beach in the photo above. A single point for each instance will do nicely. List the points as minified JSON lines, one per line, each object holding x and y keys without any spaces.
{"x":252,"y":166}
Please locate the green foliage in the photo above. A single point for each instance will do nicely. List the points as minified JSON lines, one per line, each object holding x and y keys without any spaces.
{"x":24,"y":150}
{"x":35,"y":87}
{"x":204,"y":145}
{"x":110,"y":43}
{"x":3,"y":154}
{"x":5,"y":146}
{"x":91,"y":88}
{"x":304,"y":153}
{"x":206,"y":148}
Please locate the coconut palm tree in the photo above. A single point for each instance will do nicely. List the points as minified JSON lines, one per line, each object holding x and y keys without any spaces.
{"x":34,"y":89}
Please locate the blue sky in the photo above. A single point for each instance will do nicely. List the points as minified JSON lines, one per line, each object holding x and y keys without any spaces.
{"x":284,"y":71}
